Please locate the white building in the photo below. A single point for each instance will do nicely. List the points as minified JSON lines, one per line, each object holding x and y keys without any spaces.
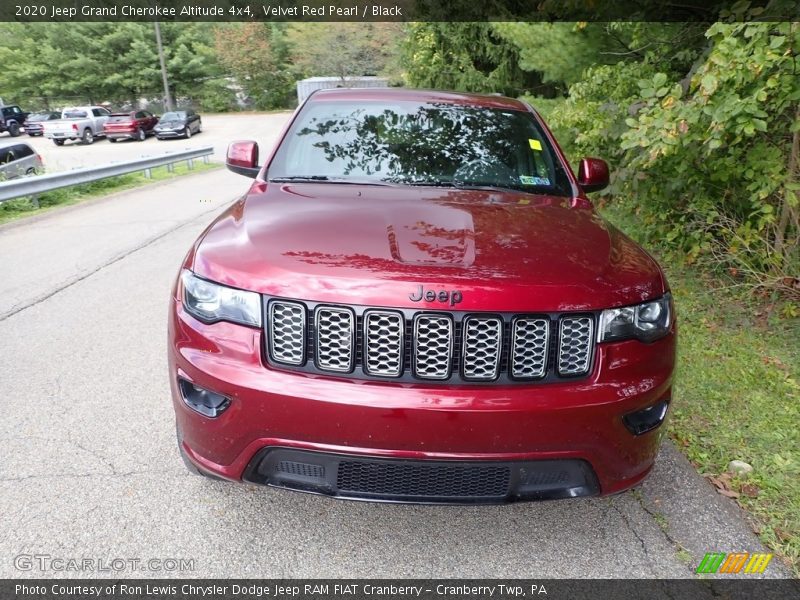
{"x":312,"y":84}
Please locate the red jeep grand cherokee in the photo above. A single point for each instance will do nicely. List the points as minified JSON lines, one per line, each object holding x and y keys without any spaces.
{"x":416,"y":302}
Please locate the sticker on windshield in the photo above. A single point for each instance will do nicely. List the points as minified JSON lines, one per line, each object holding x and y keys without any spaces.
{"x":527,"y":180}
{"x":535,"y":145}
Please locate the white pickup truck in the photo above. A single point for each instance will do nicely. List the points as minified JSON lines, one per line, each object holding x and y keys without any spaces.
{"x":83,"y":123}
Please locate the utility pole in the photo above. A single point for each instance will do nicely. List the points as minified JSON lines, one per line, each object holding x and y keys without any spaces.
{"x":167,"y":95}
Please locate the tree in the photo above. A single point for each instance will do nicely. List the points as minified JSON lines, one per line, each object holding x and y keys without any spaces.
{"x":465,"y":57}
{"x":256,"y":55}
{"x":343,"y":50}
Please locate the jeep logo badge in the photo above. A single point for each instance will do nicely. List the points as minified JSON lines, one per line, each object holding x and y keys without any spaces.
{"x":451,"y":298}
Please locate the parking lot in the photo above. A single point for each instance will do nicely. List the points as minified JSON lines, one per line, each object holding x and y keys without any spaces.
{"x":218,"y":131}
{"x":91,"y":470}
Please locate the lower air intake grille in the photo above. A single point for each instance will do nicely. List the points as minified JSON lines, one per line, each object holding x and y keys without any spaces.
{"x":420,"y":480}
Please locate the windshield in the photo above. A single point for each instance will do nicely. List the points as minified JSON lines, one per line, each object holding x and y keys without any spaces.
{"x":173,"y":116}
{"x":414,"y":143}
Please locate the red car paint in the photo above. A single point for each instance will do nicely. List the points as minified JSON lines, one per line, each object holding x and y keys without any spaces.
{"x":133,"y":125}
{"x":504,"y":251}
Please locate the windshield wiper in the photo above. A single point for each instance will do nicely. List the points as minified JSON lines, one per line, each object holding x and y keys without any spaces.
{"x":324,"y":179}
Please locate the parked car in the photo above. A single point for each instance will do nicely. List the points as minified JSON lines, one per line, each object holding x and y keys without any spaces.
{"x":18,"y":159}
{"x":12,"y":118}
{"x":416,"y":301}
{"x":179,"y":123}
{"x":34,"y":123}
{"x":84,"y":123}
{"x":134,"y":125}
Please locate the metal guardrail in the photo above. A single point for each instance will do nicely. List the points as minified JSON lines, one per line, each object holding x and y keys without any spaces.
{"x":39,"y":184}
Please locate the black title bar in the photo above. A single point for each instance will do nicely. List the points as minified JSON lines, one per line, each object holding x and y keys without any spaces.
{"x":396,"y":10}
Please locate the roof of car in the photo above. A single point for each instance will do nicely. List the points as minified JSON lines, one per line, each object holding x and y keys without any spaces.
{"x":388,"y":94}
{"x":7,"y":143}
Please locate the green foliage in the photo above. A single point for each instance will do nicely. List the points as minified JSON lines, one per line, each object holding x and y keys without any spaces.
{"x":53,"y":64}
{"x":704,"y":141}
{"x":561,"y":52}
{"x":745,"y":403}
{"x":463,"y":56}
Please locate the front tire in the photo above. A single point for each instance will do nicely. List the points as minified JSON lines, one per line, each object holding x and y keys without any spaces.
{"x":140,"y":135}
{"x":187,"y":132}
{"x":13,"y":129}
{"x":87,"y":137}
{"x":112,"y":140}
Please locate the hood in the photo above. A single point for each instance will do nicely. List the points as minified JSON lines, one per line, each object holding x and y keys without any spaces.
{"x":377,"y":245}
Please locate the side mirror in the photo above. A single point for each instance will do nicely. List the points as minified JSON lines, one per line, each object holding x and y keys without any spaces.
{"x":593,"y":174}
{"x":242,"y":158}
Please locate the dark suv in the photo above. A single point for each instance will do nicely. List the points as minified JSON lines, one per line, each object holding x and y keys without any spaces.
{"x":12,"y":118}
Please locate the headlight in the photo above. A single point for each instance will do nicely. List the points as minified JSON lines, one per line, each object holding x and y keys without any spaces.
{"x":211,"y":302}
{"x":645,"y":322}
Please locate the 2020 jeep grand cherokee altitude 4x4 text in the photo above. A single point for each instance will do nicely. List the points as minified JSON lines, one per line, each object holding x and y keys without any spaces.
{"x":415,"y":301}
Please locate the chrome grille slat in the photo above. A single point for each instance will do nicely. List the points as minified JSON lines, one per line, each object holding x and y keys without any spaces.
{"x":287,"y":332}
{"x":436,"y":346}
{"x":529,"y":347}
{"x":482,"y":347}
{"x":383,"y":343}
{"x":335,"y":338}
{"x":433,"y":346}
{"x":575,"y":345}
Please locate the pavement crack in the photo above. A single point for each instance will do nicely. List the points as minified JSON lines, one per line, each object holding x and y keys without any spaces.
{"x":71,"y":282}
{"x":632,"y":529}
{"x":82,"y":475}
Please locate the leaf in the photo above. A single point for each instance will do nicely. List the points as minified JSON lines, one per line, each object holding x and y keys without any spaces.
{"x":777,"y":41}
{"x":709,"y":83}
{"x":659,"y":80}
{"x":728,"y":493}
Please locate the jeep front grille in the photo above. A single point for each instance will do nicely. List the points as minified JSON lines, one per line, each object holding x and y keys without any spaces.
{"x":383,"y":351}
{"x":483,"y":345}
{"x":287,"y":332}
{"x":575,"y":345}
{"x":409,"y":345}
{"x":335,"y":329}
{"x":433,"y":346}
{"x":529,"y":346}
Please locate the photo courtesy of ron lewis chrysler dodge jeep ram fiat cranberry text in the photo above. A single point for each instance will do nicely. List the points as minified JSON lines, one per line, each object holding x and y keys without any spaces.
{"x":416,"y":302}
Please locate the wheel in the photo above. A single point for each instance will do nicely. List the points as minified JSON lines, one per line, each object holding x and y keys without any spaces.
{"x":112,"y":140}
{"x":13,"y":129}
{"x":88,"y":136}
{"x":187,"y":132}
{"x":58,"y":142}
{"x":199,"y":126}
{"x":140,"y":135}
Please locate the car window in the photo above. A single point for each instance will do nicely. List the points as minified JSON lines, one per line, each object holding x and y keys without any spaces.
{"x":75,"y":114}
{"x":174,"y":116}
{"x":410,"y":142}
{"x":6,"y":156}
{"x":22,"y":150}
{"x":139,"y":115}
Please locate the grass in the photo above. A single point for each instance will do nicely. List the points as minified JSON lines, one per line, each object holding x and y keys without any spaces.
{"x":737,"y":396}
{"x":20,"y":208}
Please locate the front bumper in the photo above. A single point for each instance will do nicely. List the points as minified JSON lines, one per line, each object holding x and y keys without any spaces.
{"x":161,"y":134}
{"x":576,"y":427}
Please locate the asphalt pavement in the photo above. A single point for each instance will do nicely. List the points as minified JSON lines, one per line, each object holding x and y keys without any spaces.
{"x":90,"y":468}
